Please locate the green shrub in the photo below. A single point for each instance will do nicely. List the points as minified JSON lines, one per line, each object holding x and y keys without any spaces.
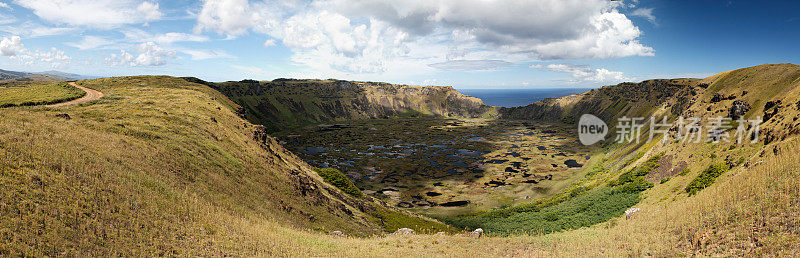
{"x":597,"y":169}
{"x":339,"y":180}
{"x":685,"y":171}
{"x":635,"y":186}
{"x":664,"y":180}
{"x":637,"y":172}
{"x":706,"y":178}
{"x":587,"y":209}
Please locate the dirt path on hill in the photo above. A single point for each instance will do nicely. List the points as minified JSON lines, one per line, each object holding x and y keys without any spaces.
{"x":90,"y":96}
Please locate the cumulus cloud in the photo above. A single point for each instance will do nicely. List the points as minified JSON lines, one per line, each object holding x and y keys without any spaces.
{"x":92,"y":13}
{"x":56,"y":58}
{"x":582,"y":73}
{"x":237,"y":17}
{"x":148,"y":54}
{"x":375,"y":36}
{"x":11,"y":46}
{"x":646,"y":13}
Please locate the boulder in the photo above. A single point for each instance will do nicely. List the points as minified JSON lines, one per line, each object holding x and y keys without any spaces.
{"x":404,"y":231}
{"x":717,"y":98}
{"x":478,"y":233}
{"x":771,"y":104}
{"x":337,"y":233}
{"x":771,"y":109}
{"x":738,"y":109}
{"x":630,"y":212}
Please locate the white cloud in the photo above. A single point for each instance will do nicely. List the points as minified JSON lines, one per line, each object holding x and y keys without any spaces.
{"x":137,"y":35}
{"x":92,"y":13}
{"x":56,"y":58}
{"x":171,"y":37}
{"x":7,"y":19}
{"x":584,"y":73}
{"x":646,"y":13}
{"x":270,"y":43}
{"x":42,"y":31}
{"x":5,"y":5}
{"x":149,"y":54}
{"x":149,"y":11}
{"x":90,"y":42}
{"x":471,"y":65}
{"x":11,"y":46}
{"x":198,"y":54}
{"x":34,"y":30}
{"x":237,"y":17}
{"x":383,"y":36}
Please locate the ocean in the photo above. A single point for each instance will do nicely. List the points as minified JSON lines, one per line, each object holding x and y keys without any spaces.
{"x":518,"y":97}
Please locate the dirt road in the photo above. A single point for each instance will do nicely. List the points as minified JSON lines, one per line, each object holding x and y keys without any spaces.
{"x":90,"y":96}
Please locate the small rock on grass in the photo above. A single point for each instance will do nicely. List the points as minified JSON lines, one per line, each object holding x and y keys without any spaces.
{"x":404,"y":231}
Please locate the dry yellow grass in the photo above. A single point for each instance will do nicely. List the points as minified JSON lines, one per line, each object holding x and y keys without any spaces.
{"x":138,"y":172}
{"x":162,"y":167}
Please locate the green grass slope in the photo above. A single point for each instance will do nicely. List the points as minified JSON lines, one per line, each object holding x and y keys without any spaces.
{"x":159,"y":166}
{"x":37,"y":93}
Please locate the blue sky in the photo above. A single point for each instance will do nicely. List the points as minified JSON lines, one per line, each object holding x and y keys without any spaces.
{"x":463,"y":43}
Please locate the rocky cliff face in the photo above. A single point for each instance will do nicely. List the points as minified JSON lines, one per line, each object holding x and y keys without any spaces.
{"x":769,"y":92}
{"x":288,"y":102}
{"x":609,"y":102}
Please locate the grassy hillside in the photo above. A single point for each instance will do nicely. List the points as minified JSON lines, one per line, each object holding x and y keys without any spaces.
{"x":586,"y":203}
{"x":37,"y":93}
{"x":611,"y":102}
{"x":751,"y":211}
{"x":159,"y":166}
{"x":288,"y":102}
{"x":694,"y":198}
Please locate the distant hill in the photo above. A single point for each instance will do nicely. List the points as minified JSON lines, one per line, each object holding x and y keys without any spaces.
{"x":69,"y":76}
{"x":9,"y":76}
{"x":292,"y":102}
